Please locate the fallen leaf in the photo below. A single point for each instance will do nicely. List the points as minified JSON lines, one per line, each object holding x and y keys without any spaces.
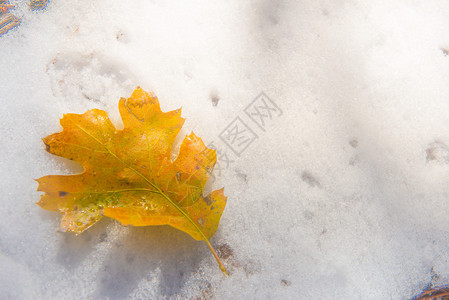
{"x":38,"y":4}
{"x":441,"y":293}
{"x":129,"y":174}
{"x":7,"y":20}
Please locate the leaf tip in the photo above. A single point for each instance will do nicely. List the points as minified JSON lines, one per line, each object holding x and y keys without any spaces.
{"x":47,"y":146}
{"x":40,"y":203}
{"x":38,"y":184}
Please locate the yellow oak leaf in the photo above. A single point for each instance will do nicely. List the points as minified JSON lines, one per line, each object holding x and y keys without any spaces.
{"x":129,"y":174}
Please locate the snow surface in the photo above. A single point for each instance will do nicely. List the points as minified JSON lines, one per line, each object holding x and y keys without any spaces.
{"x":342,"y":196}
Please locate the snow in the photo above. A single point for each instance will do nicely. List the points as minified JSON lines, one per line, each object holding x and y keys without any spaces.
{"x":342,"y":195}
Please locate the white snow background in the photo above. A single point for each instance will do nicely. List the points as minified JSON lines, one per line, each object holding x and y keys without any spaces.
{"x":343,"y":196}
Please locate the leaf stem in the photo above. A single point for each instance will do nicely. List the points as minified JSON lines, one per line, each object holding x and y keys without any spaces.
{"x":222,"y":267}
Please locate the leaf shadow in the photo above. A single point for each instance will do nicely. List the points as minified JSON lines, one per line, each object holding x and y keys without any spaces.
{"x":74,"y":249}
{"x":172,"y":254}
